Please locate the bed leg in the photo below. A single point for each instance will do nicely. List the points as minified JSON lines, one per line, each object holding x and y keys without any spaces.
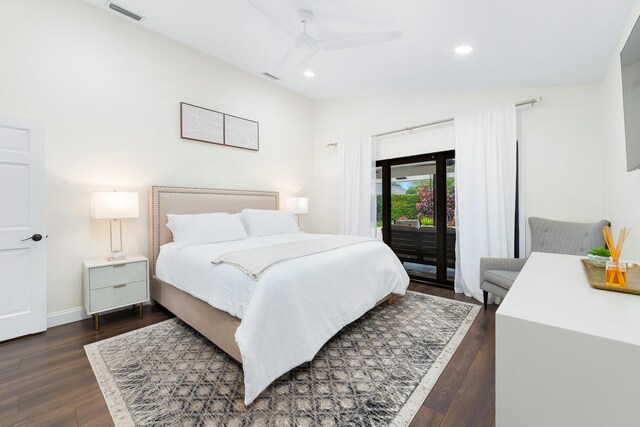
{"x":390,"y":300}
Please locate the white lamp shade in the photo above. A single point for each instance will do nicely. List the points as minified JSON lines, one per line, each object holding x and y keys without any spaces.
{"x":297,"y":205}
{"x":114,"y":204}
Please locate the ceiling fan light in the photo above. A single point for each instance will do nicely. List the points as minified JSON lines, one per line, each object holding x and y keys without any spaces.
{"x":305,"y":41}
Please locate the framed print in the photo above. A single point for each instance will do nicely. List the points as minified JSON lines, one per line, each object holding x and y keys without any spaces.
{"x":241,"y":133}
{"x":201,"y":124}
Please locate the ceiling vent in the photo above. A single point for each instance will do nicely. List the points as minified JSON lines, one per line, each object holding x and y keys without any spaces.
{"x":271,"y":76}
{"x":124,"y":11}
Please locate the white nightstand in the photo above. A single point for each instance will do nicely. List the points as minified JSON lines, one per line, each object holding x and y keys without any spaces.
{"x":113,"y":284}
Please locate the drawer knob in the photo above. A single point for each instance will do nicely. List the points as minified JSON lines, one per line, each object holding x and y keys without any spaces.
{"x":118,"y":265}
{"x":121,"y":285}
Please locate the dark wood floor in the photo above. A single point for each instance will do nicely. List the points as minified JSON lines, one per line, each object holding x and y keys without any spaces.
{"x":465,"y":392}
{"x":46,"y":379}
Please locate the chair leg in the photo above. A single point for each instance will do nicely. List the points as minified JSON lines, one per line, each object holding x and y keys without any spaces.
{"x":485,"y":296}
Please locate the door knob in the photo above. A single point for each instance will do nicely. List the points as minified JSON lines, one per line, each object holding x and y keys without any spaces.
{"x":35,"y":238}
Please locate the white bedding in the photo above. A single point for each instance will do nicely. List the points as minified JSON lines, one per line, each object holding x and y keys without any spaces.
{"x":254,"y":262}
{"x":296,"y":306}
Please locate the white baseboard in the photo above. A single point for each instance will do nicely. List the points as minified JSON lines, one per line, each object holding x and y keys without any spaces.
{"x":74,"y":314}
{"x":66,"y":316}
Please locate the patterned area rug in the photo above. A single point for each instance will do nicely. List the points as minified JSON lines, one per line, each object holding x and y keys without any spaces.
{"x":375,"y":372}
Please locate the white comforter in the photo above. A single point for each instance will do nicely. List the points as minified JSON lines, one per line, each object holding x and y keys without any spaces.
{"x":297,"y":305}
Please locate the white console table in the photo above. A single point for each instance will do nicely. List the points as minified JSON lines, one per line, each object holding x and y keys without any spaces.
{"x":566,"y":354}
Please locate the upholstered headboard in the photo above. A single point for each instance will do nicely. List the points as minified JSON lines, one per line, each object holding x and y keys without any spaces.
{"x":185,"y":200}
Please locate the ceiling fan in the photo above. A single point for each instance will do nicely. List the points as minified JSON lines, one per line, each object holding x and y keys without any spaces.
{"x":307,"y":46}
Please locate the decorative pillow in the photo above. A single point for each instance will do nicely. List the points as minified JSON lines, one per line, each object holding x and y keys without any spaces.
{"x":267,"y":222}
{"x":200,"y":229}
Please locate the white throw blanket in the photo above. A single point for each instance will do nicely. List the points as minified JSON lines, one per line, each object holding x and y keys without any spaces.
{"x":255,"y":261}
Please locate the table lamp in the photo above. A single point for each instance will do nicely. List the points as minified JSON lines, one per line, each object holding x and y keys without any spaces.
{"x":297,"y":206}
{"x":114,"y":206}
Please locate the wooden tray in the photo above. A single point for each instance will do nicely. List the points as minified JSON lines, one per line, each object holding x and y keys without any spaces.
{"x":596,"y":278}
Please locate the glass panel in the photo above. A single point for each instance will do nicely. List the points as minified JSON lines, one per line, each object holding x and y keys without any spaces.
{"x":451,"y":220}
{"x":413,"y":232}
{"x":379,"y":203}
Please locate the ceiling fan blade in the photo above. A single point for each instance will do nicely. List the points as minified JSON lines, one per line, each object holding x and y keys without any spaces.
{"x":347,"y":41}
{"x":276,"y":19}
{"x":296,"y":58}
{"x":311,"y":53}
{"x":289,"y":59}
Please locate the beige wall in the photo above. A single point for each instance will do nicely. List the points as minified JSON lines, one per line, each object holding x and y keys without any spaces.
{"x":621,"y":188}
{"x":108,"y":93}
{"x":562,"y":134}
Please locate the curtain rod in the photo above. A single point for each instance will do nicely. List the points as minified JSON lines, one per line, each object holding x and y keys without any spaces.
{"x":530,"y":102}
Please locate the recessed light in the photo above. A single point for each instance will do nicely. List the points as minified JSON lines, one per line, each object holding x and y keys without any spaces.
{"x":463,"y":50}
{"x":309,"y":73}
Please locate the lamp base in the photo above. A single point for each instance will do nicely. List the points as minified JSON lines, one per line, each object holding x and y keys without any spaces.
{"x":116,"y":256}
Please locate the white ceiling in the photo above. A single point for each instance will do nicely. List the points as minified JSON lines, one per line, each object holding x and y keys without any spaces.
{"x":518,"y":43}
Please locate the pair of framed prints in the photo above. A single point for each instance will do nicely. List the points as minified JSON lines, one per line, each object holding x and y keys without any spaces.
{"x":214,"y":127}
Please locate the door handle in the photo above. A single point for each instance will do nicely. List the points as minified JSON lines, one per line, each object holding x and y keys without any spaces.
{"x":35,"y":238}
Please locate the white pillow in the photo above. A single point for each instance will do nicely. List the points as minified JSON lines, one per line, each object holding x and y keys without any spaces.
{"x":200,"y":229}
{"x":267,"y":222}
{"x":189,"y":217}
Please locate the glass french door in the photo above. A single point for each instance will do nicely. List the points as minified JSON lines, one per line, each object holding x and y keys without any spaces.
{"x":416,"y":214}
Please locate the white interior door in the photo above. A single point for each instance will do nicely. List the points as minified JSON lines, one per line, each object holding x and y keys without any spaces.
{"x":23,"y":297}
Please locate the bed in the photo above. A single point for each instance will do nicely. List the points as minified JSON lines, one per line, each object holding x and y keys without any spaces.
{"x":254,"y":325}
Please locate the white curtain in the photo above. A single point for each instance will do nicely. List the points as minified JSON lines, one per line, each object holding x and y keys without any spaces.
{"x":522,"y":203}
{"x":357,"y":190}
{"x":485,"y":192}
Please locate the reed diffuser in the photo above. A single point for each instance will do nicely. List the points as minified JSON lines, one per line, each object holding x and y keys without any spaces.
{"x":616,"y":270}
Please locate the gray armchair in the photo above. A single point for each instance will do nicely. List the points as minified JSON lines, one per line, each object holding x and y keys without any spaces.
{"x":559,"y":237}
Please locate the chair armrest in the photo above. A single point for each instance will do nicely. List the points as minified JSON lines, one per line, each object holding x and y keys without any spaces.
{"x":506,"y":264}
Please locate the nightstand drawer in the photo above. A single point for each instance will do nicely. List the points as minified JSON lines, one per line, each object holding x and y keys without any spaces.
{"x":118,"y":295}
{"x":109,"y":275}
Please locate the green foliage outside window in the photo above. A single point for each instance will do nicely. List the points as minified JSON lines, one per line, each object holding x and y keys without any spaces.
{"x":401,"y":205}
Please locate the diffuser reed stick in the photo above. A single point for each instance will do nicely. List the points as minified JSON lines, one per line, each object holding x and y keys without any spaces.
{"x":616,"y":272}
